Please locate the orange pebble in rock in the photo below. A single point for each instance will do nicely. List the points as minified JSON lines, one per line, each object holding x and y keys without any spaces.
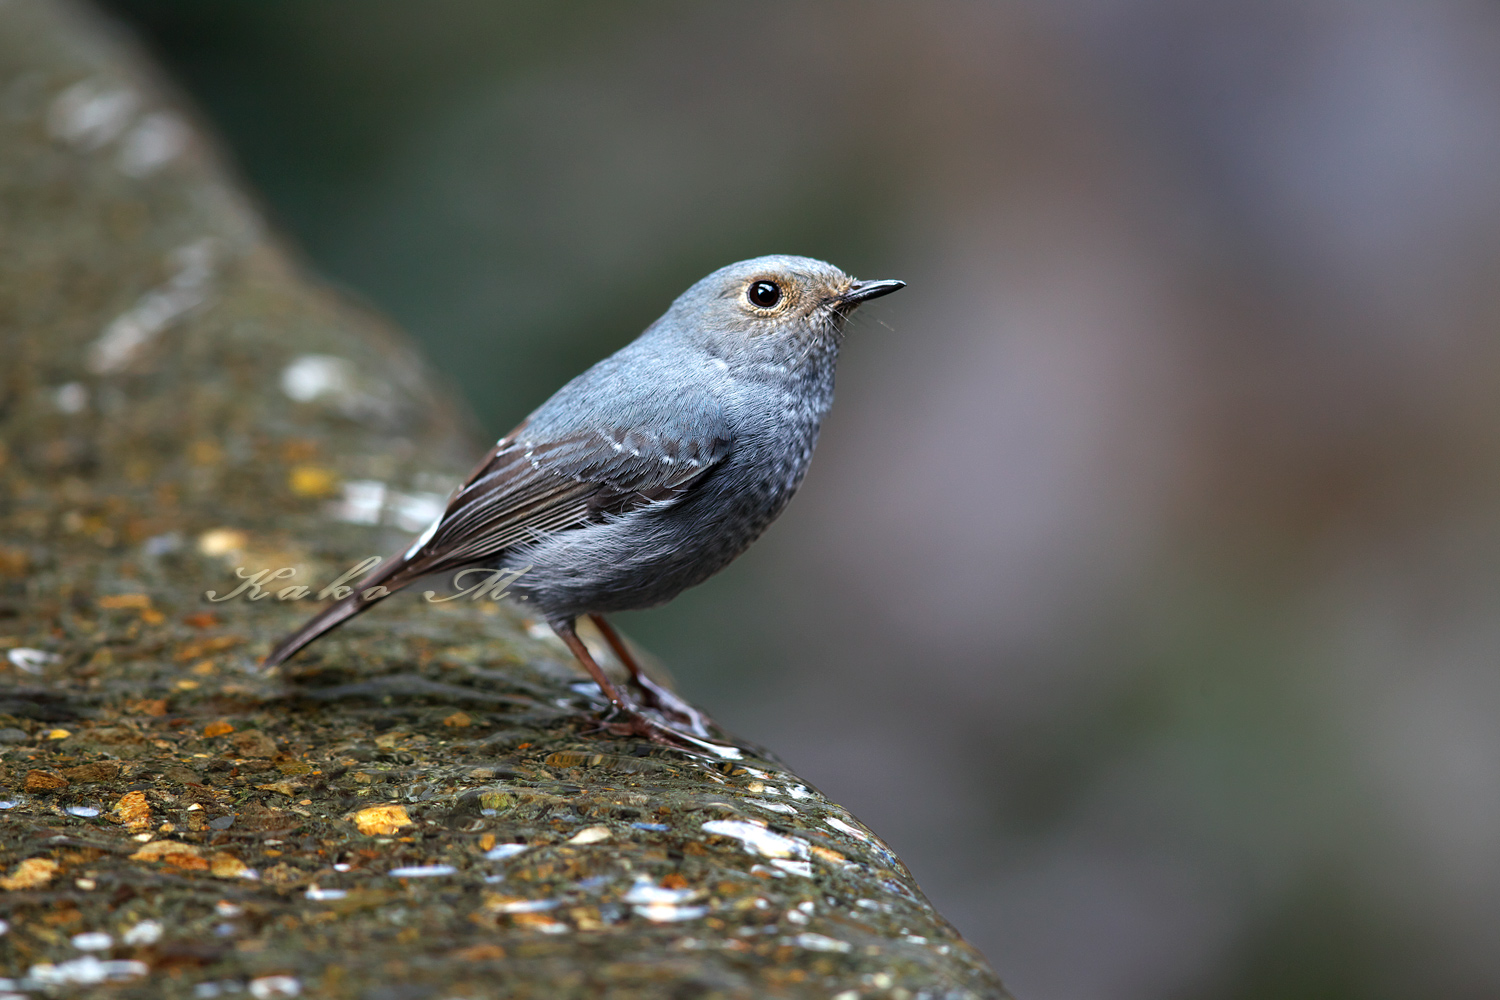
{"x":132,"y":810}
{"x":33,"y":873}
{"x":381,"y":821}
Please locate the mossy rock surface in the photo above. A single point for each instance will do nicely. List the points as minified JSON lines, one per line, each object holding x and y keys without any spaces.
{"x":423,"y":804}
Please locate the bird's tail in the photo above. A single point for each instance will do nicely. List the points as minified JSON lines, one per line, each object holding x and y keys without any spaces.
{"x":391,"y":575}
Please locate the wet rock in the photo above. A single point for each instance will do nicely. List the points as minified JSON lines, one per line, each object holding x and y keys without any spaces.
{"x":44,"y":781}
{"x":99,"y":770}
{"x":423,"y":805}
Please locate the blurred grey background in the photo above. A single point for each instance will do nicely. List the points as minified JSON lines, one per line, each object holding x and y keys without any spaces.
{"x":1145,"y":591}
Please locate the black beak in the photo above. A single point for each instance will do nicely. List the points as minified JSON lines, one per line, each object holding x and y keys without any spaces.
{"x":864,"y":291}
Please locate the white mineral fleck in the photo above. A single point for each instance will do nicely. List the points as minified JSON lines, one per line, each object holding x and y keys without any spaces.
{"x":156,"y":140}
{"x":422,"y":871}
{"x":30,"y":660}
{"x":91,"y":113}
{"x":87,"y":970}
{"x":267,"y":987}
{"x":145,"y":932}
{"x":820,"y":942}
{"x":758,"y":839}
{"x":93,"y":941}
{"x":71,"y":397}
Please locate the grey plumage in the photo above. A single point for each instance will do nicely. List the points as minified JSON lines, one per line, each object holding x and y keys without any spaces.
{"x":652,"y":470}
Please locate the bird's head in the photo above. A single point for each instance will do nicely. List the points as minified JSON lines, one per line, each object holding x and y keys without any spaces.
{"x":772,"y":306}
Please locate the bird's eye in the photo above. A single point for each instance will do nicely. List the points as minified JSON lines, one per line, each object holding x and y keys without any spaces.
{"x":763,"y":294}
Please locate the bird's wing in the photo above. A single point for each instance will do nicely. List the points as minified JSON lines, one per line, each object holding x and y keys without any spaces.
{"x":534,"y":483}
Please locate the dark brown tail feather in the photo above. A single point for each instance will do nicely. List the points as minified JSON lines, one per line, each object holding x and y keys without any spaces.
{"x":393,"y":574}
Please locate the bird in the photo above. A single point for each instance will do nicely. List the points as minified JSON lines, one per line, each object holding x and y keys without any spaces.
{"x":646,"y":474}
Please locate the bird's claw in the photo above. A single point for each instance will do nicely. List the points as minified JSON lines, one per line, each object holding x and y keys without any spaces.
{"x":667,"y":701}
{"x":627,"y":721}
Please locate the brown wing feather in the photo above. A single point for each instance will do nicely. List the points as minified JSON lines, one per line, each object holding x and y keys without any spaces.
{"x":525,"y":487}
{"x":521,"y":491}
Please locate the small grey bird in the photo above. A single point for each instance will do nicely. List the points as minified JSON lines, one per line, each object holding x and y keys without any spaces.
{"x":649,"y":472}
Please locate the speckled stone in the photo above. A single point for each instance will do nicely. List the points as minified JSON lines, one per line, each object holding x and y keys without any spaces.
{"x":422,"y":806}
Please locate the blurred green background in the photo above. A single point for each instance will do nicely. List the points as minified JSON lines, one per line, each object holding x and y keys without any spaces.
{"x":1145,"y":592}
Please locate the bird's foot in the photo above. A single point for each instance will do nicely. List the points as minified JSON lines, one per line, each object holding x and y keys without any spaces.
{"x":628,"y":722}
{"x":631,"y":722}
{"x":668,"y":702}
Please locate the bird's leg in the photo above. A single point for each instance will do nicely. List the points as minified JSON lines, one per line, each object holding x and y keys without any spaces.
{"x":634,"y":722}
{"x":656,"y":695}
